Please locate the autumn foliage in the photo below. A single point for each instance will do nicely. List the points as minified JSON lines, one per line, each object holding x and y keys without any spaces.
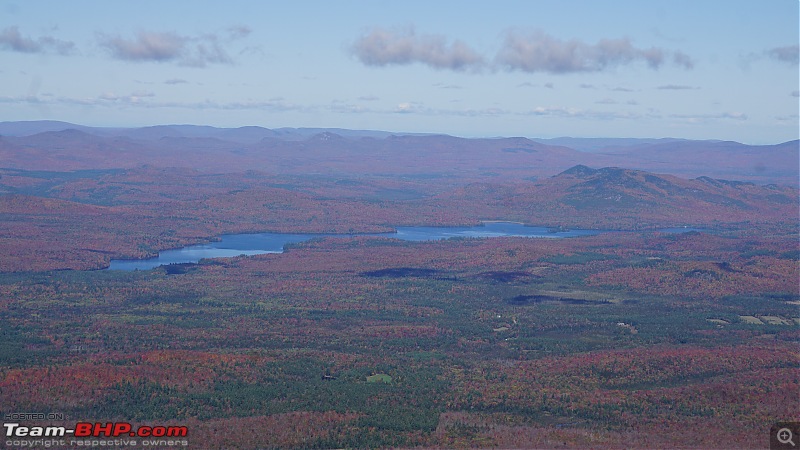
{"x":637,"y":337}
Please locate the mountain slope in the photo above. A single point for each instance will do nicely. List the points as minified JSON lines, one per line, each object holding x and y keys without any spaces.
{"x":613,"y":197}
{"x":720,"y":159}
{"x":50,"y":145}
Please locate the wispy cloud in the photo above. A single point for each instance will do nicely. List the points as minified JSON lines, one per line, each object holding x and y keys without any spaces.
{"x":529,"y":84}
{"x":238,"y":32}
{"x":448,"y":86}
{"x":681,"y":59}
{"x":789,"y":54}
{"x":703,"y":118}
{"x":382,"y":47}
{"x":192,"y":51}
{"x":676,"y":87}
{"x":421,"y":109}
{"x":147,"y":46}
{"x":540,"y":52}
{"x":408,"y":107}
{"x":345,"y":107}
{"x":606,"y":101}
{"x":789,"y":119}
{"x":132,"y":98}
{"x":278,"y":105}
{"x":145,"y":99}
{"x":11,"y":39}
{"x":148,"y":100}
{"x":580,"y":113}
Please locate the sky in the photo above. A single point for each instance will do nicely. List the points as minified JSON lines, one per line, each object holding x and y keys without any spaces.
{"x":535,"y":68}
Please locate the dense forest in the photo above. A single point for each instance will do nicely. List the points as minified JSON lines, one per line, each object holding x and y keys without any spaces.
{"x":635,"y":337}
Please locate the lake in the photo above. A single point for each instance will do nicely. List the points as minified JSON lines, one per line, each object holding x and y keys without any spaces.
{"x":260,"y":243}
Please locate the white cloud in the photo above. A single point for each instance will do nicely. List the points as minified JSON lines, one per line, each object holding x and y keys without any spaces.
{"x":405,"y":108}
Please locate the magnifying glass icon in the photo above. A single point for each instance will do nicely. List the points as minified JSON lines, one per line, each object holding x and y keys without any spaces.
{"x":785,"y":436}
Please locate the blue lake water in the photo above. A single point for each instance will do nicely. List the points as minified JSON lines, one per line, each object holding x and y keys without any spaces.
{"x":682,"y":230}
{"x":256,"y":244}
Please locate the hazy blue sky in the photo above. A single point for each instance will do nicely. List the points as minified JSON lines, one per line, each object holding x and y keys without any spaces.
{"x":691,"y":69}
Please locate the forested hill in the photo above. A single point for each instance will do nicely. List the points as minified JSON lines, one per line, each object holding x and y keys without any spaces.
{"x":631,"y":199}
{"x":49,"y":145}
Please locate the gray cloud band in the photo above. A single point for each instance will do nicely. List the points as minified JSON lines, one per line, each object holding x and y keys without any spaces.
{"x":383,"y":47}
{"x":789,"y":54}
{"x":535,"y":52}
{"x":190,"y":51}
{"x":12,"y":39}
{"x":146,"y":46}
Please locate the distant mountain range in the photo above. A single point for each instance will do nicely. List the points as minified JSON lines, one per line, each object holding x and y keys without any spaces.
{"x":247,"y":134}
{"x":62,"y":146}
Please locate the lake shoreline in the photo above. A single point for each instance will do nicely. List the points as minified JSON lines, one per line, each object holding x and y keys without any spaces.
{"x":250,"y":244}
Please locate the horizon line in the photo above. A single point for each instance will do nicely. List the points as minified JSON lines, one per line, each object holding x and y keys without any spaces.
{"x":368,"y":130}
